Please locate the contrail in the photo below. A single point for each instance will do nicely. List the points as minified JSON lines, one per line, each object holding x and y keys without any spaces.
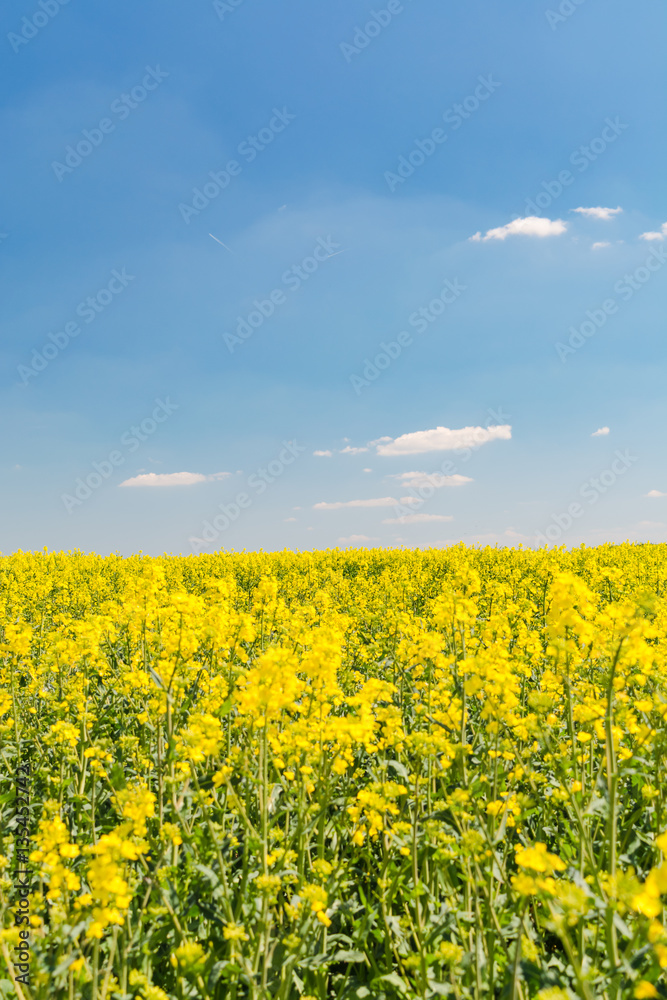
{"x":220,"y":242}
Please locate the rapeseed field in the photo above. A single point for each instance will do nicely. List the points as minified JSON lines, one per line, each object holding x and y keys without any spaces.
{"x":369,"y":774}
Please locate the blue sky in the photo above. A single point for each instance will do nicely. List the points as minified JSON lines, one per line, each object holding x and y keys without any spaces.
{"x":163,"y":390}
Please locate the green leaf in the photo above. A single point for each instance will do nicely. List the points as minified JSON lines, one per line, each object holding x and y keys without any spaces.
{"x":400,"y":769}
{"x":349,"y":956}
{"x":215,"y":974}
{"x":117,"y":777}
{"x":397,"y":981}
{"x":208,"y":873}
{"x":444,"y":989}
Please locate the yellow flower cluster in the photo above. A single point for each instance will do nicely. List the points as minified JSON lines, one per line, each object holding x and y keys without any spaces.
{"x":371,"y":773}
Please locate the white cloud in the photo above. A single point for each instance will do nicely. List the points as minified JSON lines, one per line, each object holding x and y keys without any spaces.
{"x":600,"y":245}
{"x":532,"y":225}
{"x":411,"y":500}
{"x":418,"y":518}
{"x":287,"y":519}
{"x":444,"y":439}
{"x":366,"y":470}
{"x":348,"y":450}
{"x":378,"y":502}
{"x":655,"y":493}
{"x":435,"y":479}
{"x":355,"y":540}
{"x":173,"y":479}
{"x":598,"y":213}
{"x":655,"y":236}
{"x":600,"y":432}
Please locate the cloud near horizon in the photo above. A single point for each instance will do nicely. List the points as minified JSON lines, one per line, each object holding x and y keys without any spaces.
{"x":356,"y":540}
{"x":532,"y":225}
{"x":435,"y":479}
{"x":444,"y":439}
{"x":655,"y":236}
{"x":418,"y":518}
{"x":599,"y":212}
{"x":348,"y":450}
{"x":340,"y":504}
{"x":173,"y":479}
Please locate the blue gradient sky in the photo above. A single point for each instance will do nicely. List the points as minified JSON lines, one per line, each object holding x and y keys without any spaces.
{"x":323,"y":177}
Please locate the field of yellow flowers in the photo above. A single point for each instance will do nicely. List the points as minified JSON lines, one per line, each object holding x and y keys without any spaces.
{"x":382,"y":774}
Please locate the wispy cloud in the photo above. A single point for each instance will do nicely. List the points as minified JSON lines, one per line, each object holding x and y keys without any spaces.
{"x":435,"y":479}
{"x":532,"y":225}
{"x":600,"y":244}
{"x":600,"y":432}
{"x":655,"y":493}
{"x":173,"y":478}
{"x":355,"y":540}
{"x":339,"y":505}
{"x":418,"y":518}
{"x":347,"y":450}
{"x":599,"y":212}
{"x":655,"y":236}
{"x":444,"y":439}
